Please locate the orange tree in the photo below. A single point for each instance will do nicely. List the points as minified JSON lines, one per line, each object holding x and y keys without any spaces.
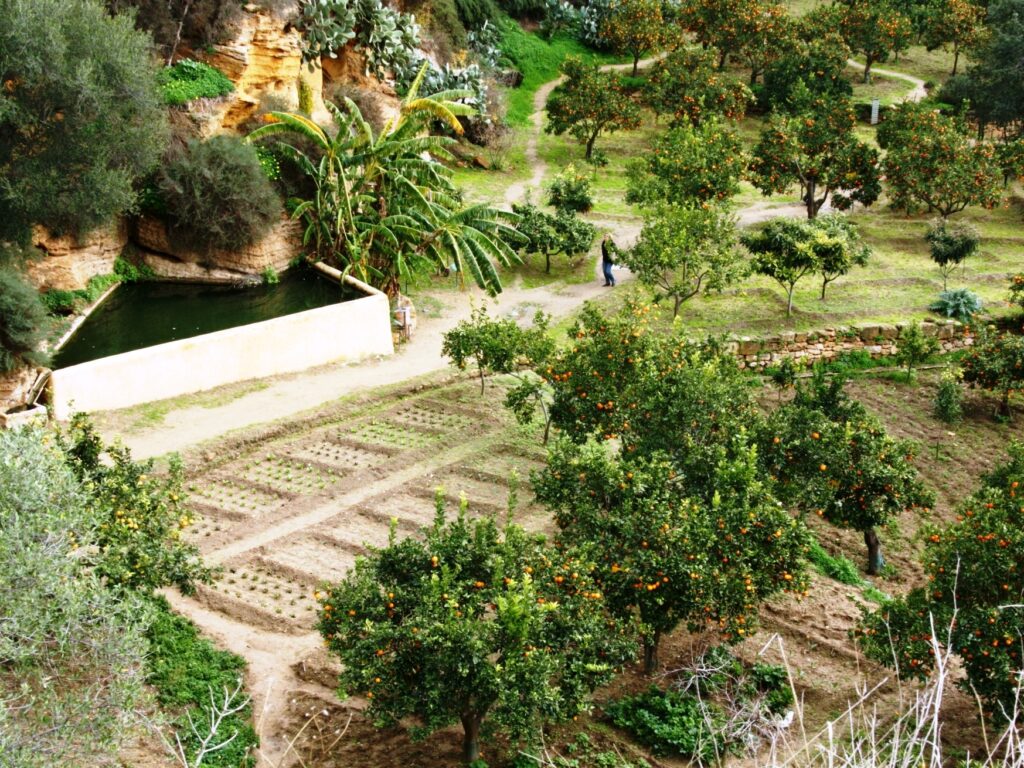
{"x":686,"y":250}
{"x":688,"y":164}
{"x":680,"y":495}
{"x":829,"y":457}
{"x":1017,"y":290}
{"x":634,"y":27}
{"x":972,"y":601}
{"x":547,"y":234}
{"x":476,"y":624}
{"x":816,"y":63}
{"x":932,"y":161}
{"x":685,"y":85}
{"x":588,"y":103}
{"x":957,"y":23}
{"x":872,"y":28}
{"x":767,"y":33}
{"x":664,"y":556}
{"x":816,"y":148}
{"x":996,"y":363}
{"x":781,"y":252}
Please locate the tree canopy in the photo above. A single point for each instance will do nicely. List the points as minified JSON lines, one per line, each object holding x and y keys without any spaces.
{"x":575,"y":108}
{"x":80,"y":115}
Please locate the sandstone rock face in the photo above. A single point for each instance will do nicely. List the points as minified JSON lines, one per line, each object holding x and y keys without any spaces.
{"x":69,"y":262}
{"x":16,"y":386}
{"x":265,"y":58}
{"x":276,"y":250}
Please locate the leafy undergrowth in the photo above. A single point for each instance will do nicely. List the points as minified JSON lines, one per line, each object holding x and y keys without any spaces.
{"x":188,"y":80}
{"x":189,"y":673}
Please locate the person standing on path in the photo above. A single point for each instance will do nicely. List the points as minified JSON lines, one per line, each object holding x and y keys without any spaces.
{"x":607,"y":246}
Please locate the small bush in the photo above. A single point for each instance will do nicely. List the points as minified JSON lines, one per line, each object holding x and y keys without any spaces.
{"x":476,"y":13}
{"x":188,"y":80}
{"x":960,"y":304}
{"x":913,"y":348}
{"x":23,"y":321}
{"x":948,"y":398}
{"x":670,"y":723}
{"x":570,"y":191}
{"x":951,"y":245}
{"x":218,"y":196}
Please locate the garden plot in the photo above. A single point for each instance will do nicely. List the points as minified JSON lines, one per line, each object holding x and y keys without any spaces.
{"x":435,"y":417}
{"x":358,"y":530}
{"x":284,"y":474}
{"x":236,"y":501}
{"x":386,"y":433}
{"x":258,"y":595}
{"x":498,"y":467}
{"x":412,"y":511}
{"x":311,"y":558}
{"x":341,"y":457}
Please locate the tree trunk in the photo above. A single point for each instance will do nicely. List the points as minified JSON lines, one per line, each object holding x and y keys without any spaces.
{"x":754,"y":73}
{"x":675,"y":309}
{"x":867,"y":69}
{"x":824,"y":285}
{"x":1004,"y":404}
{"x":721,"y":59}
{"x":956,"y":58}
{"x":651,"y":653}
{"x":471,"y":736}
{"x":875,"y":560}
{"x":480,"y":368}
{"x":177,"y":33}
{"x":547,"y":262}
{"x":590,"y":145}
{"x":789,"y":302}
{"x":636,"y":62}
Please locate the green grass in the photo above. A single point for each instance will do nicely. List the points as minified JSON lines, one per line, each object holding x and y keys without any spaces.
{"x":538,"y":60}
{"x":839,"y":568}
{"x":184,"y":669}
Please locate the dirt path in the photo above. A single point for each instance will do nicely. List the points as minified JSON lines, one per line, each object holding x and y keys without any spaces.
{"x":517,"y":191}
{"x":287,"y":396}
{"x":917,"y":93}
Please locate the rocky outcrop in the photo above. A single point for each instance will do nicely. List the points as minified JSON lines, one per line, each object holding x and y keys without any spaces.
{"x":17,"y":387}
{"x":264,"y":59}
{"x":69,"y":262}
{"x":276,"y":251}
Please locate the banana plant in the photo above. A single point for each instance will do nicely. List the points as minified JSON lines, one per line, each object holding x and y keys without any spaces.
{"x":385,"y":208}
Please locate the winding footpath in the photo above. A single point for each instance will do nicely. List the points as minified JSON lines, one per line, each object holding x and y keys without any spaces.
{"x":918,"y":93}
{"x":187,"y":427}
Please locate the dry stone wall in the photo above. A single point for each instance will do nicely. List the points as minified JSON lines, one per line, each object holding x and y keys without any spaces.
{"x":879,"y":341}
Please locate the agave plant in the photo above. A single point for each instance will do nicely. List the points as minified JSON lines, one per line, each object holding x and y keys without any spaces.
{"x":385,"y":207}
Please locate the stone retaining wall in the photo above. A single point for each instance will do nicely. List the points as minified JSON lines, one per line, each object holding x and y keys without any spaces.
{"x":877,"y":340}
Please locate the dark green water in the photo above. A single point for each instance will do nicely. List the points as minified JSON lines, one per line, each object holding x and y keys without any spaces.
{"x":143,"y":314}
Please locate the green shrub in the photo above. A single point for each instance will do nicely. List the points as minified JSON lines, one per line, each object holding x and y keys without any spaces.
{"x":772,"y":681}
{"x":59,"y":302}
{"x":23,"y":322}
{"x":948,"y":397}
{"x":188,"y":80}
{"x":475,"y":13}
{"x":960,"y":304}
{"x":269,"y":276}
{"x":81,"y":117}
{"x":446,"y":22}
{"x":218,"y":195}
{"x":184,"y":668}
{"x":913,"y":348}
{"x":570,"y":191}
{"x":670,"y":723}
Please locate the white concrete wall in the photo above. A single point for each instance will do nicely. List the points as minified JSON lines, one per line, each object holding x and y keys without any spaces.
{"x":348,"y":331}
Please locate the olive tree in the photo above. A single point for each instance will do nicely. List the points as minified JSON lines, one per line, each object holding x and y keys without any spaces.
{"x":80,"y":115}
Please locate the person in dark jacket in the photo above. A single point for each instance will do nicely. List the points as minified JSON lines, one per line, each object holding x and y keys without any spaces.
{"x":607,"y":247}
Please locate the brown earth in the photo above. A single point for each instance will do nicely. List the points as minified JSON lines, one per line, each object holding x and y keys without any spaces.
{"x":287,"y":507}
